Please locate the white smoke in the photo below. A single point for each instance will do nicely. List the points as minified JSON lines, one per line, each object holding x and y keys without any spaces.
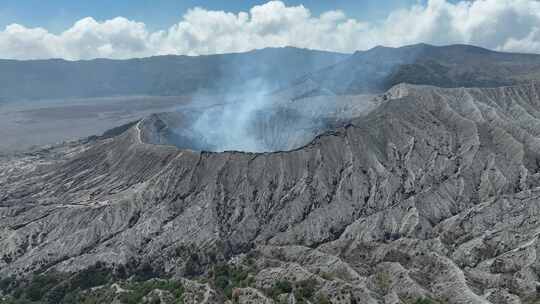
{"x":229,"y":127}
{"x":253,"y":120}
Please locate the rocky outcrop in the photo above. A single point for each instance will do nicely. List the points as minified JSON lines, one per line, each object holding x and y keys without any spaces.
{"x":433,"y":194}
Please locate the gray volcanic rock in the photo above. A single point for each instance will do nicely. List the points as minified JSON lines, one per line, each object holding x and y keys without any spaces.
{"x":434,"y":193}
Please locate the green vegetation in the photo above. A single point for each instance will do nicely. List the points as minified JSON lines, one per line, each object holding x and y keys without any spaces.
{"x":137,"y":290}
{"x":302,"y":290}
{"x":534,"y":299}
{"x":383,"y":282}
{"x":91,"y":286}
{"x":225,"y":278}
{"x":424,"y":300}
{"x":6,"y":283}
{"x":280,"y":287}
{"x":42,"y":288}
{"x":327,"y":276}
{"x":104,"y":295}
{"x":322,"y":299}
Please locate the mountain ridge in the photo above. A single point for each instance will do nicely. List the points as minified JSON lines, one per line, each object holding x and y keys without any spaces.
{"x":372,"y":71}
{"x":160,"y":75}
{"x":378,"y":69}
{"x":425,"y":196}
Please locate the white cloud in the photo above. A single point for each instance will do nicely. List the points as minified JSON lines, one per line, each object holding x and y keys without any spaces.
{"x":512,"y":25}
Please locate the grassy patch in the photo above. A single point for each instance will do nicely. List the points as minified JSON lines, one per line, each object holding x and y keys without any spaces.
{"x":225,"y":278}
{"x":303,"y":291}
{"x":280,"y":287}
{"x":383,"y":282}
{"x":423,"y":300}
{"x":138,"y":290}
{"x":91,"y":286}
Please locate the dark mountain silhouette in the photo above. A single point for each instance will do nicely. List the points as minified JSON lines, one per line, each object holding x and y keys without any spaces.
{"x":380,"y":68}
{"x":161,"y":76}
{"x":374,"y":70}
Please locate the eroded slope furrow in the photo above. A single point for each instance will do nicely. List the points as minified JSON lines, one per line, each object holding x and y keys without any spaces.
{"x":435,"y":191}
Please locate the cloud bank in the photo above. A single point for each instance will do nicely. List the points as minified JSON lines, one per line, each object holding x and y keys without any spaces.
{"x":506,"y":25}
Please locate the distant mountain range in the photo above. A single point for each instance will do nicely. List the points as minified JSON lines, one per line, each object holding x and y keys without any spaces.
{"x":380,"y":68}
{"x":371,"y":71}
{"x":156,"y":76}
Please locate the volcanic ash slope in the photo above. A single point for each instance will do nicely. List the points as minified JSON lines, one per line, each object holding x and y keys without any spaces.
{"x":434,"y":193}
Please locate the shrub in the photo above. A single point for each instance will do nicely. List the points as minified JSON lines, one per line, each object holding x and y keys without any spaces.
{"x":327,"y":276}
{"x":40,"y":285}
{"x":225,"y":278}
{"x":6,"y":283}
{"x":305,"y":289}
{"x":62,"y":288}
{"x":283,"y":286}
{"x":383,"y":281}
{"x":93,"y":276}
{"x":140,"y":289}
{"x":322,"y":299}
{"x":57,"y":294}
{"x":424,"y":301}
{"x":145,"y":272}
{"x":278,"y":288}
{"x":192,"y":266}
{"x":222,"y":282}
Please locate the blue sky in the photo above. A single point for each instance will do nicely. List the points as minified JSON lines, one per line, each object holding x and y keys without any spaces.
{"x":58,"y":15}
{"x":36,"y":29}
